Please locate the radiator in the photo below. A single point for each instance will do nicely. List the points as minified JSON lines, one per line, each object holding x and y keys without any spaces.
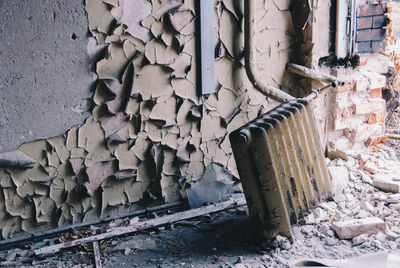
{"x":281,"y":166}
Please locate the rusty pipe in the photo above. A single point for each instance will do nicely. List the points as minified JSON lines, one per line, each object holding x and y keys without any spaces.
{"x":251,"y":56}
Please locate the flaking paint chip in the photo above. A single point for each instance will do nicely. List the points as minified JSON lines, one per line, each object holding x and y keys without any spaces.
{"x":181,"y":65}
{"x":180,"y":19}
{"x":97,"y":174}
{"x":133,"y":12}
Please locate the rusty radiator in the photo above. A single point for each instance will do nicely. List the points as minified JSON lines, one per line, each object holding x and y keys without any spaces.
{"x":281,"y":166}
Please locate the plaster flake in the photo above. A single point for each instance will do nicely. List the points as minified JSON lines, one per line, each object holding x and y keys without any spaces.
{"x":149,"y":125}
{"x":133,"y":12}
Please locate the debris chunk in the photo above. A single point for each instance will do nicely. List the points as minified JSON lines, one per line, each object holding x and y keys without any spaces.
{"x":386,"y":184}
{"x":351,"y":228}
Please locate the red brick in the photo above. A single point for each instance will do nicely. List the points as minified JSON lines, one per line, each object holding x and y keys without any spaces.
{"x":364,"y":23}
{"x":371,"y":35}
{"x":371,"y":10}
{"x":378,"y":21}
{"x":376,"y":118}
{"x":377,"y":46}
{"x":363,"y":47}
{"x":373,"y":141}
{"x":376,"y":93}
{"x":363,"y":132}
{"x":375,"y":105}
{"x":361,"y":84}
{"x":377,"y":81}
{"x":363,"y":60}
{"x":348,"y":86}
{"x":343,"y":113}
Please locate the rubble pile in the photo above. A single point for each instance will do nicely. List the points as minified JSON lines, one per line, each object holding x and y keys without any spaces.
{"x":362,"y":217}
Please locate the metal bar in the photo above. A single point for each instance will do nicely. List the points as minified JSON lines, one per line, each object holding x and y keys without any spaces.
{"x":207,"y":46}
{"x":251,"y":55}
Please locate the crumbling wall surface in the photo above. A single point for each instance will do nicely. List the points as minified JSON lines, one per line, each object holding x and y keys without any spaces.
{"x":44,"y":77}
{"x":150,"y":134}
{"x":359,"y":109}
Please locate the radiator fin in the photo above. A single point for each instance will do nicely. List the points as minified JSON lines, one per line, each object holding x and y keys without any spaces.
{"x":281,"y":166}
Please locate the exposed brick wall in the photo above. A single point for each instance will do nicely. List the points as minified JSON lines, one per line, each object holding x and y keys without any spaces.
{"x":359,"y":110}
{"x":371,"y":22}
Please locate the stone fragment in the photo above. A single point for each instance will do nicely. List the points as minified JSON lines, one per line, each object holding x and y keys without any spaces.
{"x":365,"y":177}
{"x":351,"y":228}
{"x":367,"y":206}
{"x":386,"y":185}
{"x":339,"y":178}
{"x":358,"y":240}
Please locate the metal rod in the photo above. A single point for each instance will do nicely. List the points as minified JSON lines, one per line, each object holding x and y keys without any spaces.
{"x":316,"y":92}
{"x":250,"y":56}
{"x":36,"y":236}
{"x":310,"y":73}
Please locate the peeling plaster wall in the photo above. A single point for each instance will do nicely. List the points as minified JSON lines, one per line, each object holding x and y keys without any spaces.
{"x":150,"y":134}
{"x":44,"y":76}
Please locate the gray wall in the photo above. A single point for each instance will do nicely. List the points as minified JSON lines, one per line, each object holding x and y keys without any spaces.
{"x":44,"y":69}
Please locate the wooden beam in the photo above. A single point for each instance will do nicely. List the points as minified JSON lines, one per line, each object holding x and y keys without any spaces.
{"x":232,"y":203}
{"x":96,"y":250}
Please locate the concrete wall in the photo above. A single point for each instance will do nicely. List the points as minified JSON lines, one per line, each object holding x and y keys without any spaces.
{"x":44,"y":73}
{"x":150,"y":134}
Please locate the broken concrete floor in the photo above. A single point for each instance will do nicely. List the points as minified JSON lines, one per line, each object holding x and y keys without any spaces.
{"x":225,"y":239}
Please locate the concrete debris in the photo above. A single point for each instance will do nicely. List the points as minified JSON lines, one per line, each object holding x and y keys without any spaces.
{"x":351,"y":228}
{"x":16,"y":159}
{"x":138,"y":244}
{"x":387,"y":184}
{"x":339,"y":178}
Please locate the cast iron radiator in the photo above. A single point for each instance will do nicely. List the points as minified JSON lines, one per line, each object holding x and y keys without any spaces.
{"x":281,"y":166}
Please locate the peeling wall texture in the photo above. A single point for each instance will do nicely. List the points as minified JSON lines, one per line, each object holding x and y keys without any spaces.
{"x":150,"y":134}
{"x":44,"y":77}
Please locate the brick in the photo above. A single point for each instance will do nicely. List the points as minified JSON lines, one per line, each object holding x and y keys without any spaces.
{"x":386,"y":184}
{"x":371,"y":35}
{"x":378,"y":21}
{"x":374,"y":105}
{"x":377,"y":81}
{"x":377,"y":46}
{"x":373,"y":141}
{"x":376,"y":93}
{"x":371,"y":10}
{"x":363,"y":132}
{"x":348,"y":86}
{"x":363,"y":47}
{"x":375,"y":129}
{"x":343,"y":113}
{"x":340,"y":124}
{"x":376,"y":118}
{"x":348,"y":229}
{"x":361,"y":84}
{"x":364,"y":23}
{"x":363,"y":60}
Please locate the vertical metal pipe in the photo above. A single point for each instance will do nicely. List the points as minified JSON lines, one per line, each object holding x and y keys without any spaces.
{"x":207,"y":46}
{"x":250,"y":56}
